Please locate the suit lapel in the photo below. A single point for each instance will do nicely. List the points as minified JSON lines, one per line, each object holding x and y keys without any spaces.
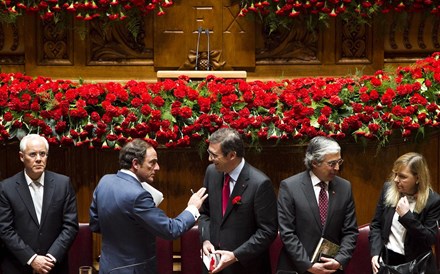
{"x":332,"y":198}
{"x":240,"y":186}
{"x":25,"y":195}
{"x":49,"y":189}
{"x":309,"y":194}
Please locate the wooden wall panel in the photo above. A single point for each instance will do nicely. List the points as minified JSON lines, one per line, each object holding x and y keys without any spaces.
{"x":94,"y":52}
{"x":183,"y":169}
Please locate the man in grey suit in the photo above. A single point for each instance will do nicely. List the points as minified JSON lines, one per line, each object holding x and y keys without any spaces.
{"x":238,"y":220}
{"x":300,"y":222}
{"x":38,"y":215}
{"x":127,"y":217}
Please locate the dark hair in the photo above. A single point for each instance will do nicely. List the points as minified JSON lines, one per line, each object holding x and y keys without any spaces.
{"x":229,"y":139}
{"x":136,"y":149}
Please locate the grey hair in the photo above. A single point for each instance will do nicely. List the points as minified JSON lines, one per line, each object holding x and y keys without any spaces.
{"x":29,"y":137}
{"x":229,"y":140}
{"x":318,"y":148}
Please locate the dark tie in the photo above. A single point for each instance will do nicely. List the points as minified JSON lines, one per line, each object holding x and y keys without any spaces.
{"x":323,"y":203}
{"x":225,"y":193}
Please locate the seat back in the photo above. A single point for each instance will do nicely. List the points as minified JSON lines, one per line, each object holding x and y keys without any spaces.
{"x":191,"y":262}
{"x":274,"y":253}
{"x":81,"y":251}
{"x":164,"y":255}
{"x":437,"y":249}
{"x":360,"y":262}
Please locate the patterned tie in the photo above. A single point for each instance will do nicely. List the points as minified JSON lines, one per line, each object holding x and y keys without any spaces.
{"x":323,"y":203}
{"x":38,"y":198}
{"x":225,"y":193}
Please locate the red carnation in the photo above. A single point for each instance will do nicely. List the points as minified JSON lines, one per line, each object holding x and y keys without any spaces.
{"x":236,"y":200}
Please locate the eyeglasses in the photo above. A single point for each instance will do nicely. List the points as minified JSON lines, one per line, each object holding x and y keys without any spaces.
{"x":212,"y":155}
{"x":333,"y":164}
{"x":42,"y":154}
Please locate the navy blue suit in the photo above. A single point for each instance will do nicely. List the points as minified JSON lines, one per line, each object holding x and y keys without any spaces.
{"x":129,"y":221}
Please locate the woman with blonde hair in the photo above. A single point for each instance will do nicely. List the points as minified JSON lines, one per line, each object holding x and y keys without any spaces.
{"x":405,"y":224}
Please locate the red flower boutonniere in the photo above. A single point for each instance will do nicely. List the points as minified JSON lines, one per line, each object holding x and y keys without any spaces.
{"x":236,"y":200}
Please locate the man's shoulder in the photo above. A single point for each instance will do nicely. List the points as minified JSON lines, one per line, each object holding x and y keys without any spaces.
{"x":14,"y":178}
{"x":341,"y":181}
{"x":298,"y":177}
{"x":51,"y":174}
{"x":253,"y":171}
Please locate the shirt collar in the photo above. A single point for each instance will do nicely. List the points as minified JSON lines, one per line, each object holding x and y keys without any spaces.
{"x":29,"y":180}
{"x":315,"y":179}
{"x":131,"y":173}
{"x":237,"y":170}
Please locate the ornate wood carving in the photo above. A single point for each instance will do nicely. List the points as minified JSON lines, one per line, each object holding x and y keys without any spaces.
{"x":406,"y":30}
{"x":295,"y":45}
{"x":175,"y":39}
{"x":116,"y":45}
{"x":354,"y":40}
{"x":55,"y":44}
{"x":434,"y":33}
{"x":11,"y":44}
{"x":409,"y":36}
{"x":169,"y":43}
{"x":213,"y":62}
{"x":420,"y":34}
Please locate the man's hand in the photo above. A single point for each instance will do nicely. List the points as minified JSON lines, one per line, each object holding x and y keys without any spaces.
{"x":328,"y":265}
{"x":375,"y":264}
{"x":207,"y":248}
{"x":42,"y":264}
{"x":198,"y":198}
{"x":226,"y":259}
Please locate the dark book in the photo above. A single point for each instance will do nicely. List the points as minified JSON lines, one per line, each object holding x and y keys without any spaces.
{"x":325,"y":248}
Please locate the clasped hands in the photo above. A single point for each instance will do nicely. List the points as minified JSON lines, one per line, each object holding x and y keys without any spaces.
{"x":327,"y":265}
{"x":226,"y":257}
{"x":42,"y":264}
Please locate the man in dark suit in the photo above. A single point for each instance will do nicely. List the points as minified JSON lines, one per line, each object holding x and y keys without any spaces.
{"x":241,"y":225}
{"x":38,"y":215}
{"x":127,"y":217}
{"x":300,"y":221}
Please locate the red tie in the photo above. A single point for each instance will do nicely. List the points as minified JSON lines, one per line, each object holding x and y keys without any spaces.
{"x":323,"y":203}
{"x":225,"y":193}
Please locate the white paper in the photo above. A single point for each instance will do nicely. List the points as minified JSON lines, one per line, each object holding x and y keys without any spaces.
{"x":157,"y":195}
{"x":207,"y":259}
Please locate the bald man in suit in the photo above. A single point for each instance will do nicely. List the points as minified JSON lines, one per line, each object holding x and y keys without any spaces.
{"x":242,"y":234}
{"x":300,"y":223}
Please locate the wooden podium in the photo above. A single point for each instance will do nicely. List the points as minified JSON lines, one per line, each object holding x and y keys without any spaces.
{"x":198,"y":75}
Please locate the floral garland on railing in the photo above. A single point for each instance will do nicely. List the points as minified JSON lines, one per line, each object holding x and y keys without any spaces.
{"x":113,"y":10}
{"x":284,"y":13}
{"x":332,"y":8}
{"x":182,"y":113}
{"x":117,"y":10}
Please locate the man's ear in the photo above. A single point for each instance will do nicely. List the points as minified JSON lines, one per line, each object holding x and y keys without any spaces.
{"x":232,"y":155}
{"x":21,"y":154}
{"x":135,"y":164}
